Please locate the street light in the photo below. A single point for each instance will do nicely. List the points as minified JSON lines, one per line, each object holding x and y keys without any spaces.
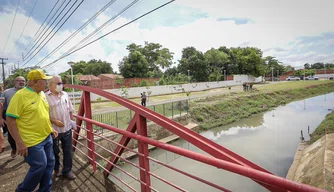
{"x":71,"y":63}
{"x":304,"y":73}
{"x":272,"y":74}
{"x":188,"y":76}
{"x":277,"y":74}
{"x":224,"y":75}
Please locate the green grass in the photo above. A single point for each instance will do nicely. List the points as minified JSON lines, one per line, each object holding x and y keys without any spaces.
{"x":218,"y":111}
{"x":326,"y":126}
{"x":121,"y":119}
{"x":291,"y":85}
{"x":208,"y":111}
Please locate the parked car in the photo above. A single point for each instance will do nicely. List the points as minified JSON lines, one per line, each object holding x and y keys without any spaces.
{"x":292,"y":78}
{"x":311,"y":78}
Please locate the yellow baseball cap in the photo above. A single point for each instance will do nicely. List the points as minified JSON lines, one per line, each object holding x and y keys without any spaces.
{"x":37,"y":74}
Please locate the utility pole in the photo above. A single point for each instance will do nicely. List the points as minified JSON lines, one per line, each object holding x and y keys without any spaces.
{"x":3,"y":72}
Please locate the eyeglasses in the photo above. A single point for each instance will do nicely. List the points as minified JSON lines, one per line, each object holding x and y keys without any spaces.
{"x":60,"y":83}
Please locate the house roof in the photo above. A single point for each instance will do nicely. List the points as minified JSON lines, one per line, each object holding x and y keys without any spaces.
{"x":111,"y":76}
{"x":88,"y":78}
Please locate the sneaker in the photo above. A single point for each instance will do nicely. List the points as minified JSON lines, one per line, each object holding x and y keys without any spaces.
{"x":13,"y":154}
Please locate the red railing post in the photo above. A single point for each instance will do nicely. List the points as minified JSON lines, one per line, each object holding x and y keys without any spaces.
{"x":123,"y":142}
{"x":89,"y":127}
{"x":143,"y":149}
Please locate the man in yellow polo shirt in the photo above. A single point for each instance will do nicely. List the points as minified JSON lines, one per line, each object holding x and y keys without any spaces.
{"x":29,"y":123}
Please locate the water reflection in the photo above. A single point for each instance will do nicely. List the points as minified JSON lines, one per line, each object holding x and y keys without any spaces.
{"x":268,"y":141}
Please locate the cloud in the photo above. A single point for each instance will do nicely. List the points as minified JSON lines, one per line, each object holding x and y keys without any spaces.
{"x":237,"y":21}
{"x":293,"y":33}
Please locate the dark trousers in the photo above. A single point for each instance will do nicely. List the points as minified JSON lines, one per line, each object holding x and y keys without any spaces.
{"x":66,"y":146}
{"x":143,"y":102}
{"x":11,"y":141}
{"x":41,"y":161}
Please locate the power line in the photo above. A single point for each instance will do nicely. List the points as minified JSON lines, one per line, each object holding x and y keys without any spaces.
{"x":29,"y":52}
{"x":147,"y":13}
{"x":58,"y":28}
{"x":41,"y":26}
{"x":10,"y":31}
{"x":76,"y":32}
{"x":102,"y":26}
{"x":23,"y":28}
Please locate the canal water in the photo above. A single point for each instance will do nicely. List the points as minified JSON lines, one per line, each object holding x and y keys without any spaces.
{"x":268,"y":139}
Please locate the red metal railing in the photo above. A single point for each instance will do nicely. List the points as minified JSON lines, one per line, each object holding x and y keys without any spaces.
{"x":218,"y":157}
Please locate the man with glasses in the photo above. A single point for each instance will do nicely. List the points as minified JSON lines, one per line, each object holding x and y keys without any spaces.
{"x":61,"y":114}
{"x":19,"y":83}
{"x":29,"y":123}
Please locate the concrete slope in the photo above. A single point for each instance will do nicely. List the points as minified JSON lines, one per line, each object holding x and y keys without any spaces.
{"x":316,"y":164}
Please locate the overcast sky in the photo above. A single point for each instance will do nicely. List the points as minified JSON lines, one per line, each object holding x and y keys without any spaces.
{"x":296,"y":32}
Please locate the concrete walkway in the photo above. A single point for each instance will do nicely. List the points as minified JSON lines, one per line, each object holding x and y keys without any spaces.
{"x":12,"y":172}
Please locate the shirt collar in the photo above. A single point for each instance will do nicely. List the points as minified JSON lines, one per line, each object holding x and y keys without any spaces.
{"x":50,"y":93}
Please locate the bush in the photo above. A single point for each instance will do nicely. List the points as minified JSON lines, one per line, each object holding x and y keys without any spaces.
{"x":162,"y":81}
{"x":144,"y":83}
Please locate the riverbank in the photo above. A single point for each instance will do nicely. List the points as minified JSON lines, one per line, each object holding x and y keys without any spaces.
{"x":313,"y":161}
{"x":216,"y":111}
{"x":326,"y":126}
{"x":314,"y":164}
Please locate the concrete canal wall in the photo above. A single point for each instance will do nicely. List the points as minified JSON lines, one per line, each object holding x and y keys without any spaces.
{"x":314,"y":164}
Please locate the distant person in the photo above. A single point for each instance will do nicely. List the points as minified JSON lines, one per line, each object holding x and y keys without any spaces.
{"x":19,"y":83}
{"x":29,"y":123}
{"x":143,"y":99}
{"x":61,"y":115}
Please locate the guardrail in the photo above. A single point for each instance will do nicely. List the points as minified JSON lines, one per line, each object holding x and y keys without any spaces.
{"x":217,"y":156}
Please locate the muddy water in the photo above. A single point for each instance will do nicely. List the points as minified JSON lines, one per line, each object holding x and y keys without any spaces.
{"x":269,"y":139}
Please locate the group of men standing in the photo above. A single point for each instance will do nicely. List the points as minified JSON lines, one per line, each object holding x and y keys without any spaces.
{"x":37,"y":123}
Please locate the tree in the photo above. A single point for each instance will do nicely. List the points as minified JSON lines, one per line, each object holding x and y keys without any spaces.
{"x":134,"y":65}
{"x":318,"y":65}
{"x":157,"y":56}
{"x":272,"y":65}
{"x":193,"y":61}
{"x":92,"y":67}
{"x":307,"y":66}
{"x":289,"y":68}
{"x":216,"y":60}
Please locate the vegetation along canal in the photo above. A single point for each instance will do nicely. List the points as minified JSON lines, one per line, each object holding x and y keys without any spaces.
{"x":268,"y":139}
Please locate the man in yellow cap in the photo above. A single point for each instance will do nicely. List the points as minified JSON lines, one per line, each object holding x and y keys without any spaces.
{"x":29,"y":123}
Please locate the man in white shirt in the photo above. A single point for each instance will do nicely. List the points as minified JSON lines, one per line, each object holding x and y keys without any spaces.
{"x":61,"y":115}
